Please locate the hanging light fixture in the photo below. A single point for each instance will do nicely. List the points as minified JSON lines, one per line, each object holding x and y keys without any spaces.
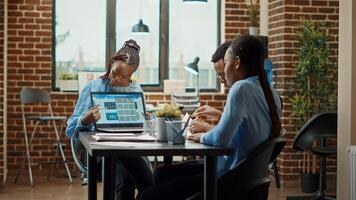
{"x":140,"y":27}
{"x":196,"y":1}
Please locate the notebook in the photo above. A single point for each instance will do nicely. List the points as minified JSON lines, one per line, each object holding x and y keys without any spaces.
{"x":121,"y":112}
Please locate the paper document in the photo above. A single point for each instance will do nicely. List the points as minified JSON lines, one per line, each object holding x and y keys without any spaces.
{"x":185,"y":119}
{"x":124,"y":137}
{"x":114,"y":134}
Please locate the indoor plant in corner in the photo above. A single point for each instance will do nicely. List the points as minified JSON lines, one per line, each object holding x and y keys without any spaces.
{"x":315,"y":87}
{"x":68,"y":81}
{"x":168,"y":112}
{"x":252,"y":6}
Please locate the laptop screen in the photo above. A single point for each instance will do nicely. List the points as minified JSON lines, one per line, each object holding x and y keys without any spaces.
{"x":119,"y":109}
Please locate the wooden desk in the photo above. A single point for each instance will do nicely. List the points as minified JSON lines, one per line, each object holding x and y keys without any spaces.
{"x":109,"y":150}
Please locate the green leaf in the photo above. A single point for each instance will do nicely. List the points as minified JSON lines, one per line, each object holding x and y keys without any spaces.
{"x":315,"y":83}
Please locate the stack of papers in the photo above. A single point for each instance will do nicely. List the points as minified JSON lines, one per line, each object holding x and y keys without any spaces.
{"x":123,"y":137}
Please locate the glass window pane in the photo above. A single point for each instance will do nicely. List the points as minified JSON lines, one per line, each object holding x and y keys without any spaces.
{"x":80,"y":35}
{"x":128,"y":13}
{"x":192,"y":33}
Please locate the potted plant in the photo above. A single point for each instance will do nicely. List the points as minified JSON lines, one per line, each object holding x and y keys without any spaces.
{"x":68,"y":81}
{"x":315,"y":87}
{"x":168,"y":112}
{"x":253,"y":11}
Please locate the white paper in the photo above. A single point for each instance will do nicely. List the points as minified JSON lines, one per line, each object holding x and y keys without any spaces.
{"x":118,"y":137}
{"x":186,"y":131}
{"x":114,"y":134}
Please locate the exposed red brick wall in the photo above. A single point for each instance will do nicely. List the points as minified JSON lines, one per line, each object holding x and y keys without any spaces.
{"x":29,"y":65}
{"x":284,"y":18}
{"x":1,"y":88}
{"x":237,"y":19}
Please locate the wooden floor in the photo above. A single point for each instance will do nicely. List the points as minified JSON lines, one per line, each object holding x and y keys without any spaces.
{"x":61,"y":189}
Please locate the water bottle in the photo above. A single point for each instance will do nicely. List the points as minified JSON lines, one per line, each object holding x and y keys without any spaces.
{"x":268,"y":70}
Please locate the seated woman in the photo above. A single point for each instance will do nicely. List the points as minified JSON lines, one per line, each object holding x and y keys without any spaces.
{"x":131,"y":172}
{"x":250,"y":117}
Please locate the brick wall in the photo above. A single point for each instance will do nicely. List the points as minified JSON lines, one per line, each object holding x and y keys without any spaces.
{"x":29,"y":65}
{"x":236,"y":18}
{"x":284,"y":18}
{"x":1,"y":89}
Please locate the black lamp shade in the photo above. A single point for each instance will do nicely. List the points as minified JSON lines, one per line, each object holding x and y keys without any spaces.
{"x":202,"y":1}
{"x":193,"y":66}
{"x":140,"y":27}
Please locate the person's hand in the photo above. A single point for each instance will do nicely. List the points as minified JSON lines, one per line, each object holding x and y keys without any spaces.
{"x":195,"y":137}
{"x":197,"y":125}
{"x":207,"y":113}
{"x":91,"y":116}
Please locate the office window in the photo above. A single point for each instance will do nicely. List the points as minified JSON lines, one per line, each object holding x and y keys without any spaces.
{"x":128,"y":13}
{"x":193,"y":33}
{"x":179,"y":32}
{"x":79,"y":35}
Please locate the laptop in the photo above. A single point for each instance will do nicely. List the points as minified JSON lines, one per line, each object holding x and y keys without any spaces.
{"x":121,"y":112}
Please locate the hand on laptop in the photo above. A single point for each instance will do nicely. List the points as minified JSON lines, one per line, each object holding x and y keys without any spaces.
{"x":207,"y":113}
{"x":198,"y":125}
{"x":91,"y":116}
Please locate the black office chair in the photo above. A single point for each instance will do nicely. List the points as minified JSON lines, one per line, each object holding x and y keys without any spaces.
{"x":249,"y":180}
{"x":319,"y":127}
{"x":276,"y":151}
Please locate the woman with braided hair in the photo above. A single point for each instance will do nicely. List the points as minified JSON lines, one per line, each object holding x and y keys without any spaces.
{"x":250,"y":117}
{"x":131,"y":172}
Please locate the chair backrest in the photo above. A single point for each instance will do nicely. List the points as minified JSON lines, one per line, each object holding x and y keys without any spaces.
{"x":279,"y":145}
{"x":322,"y":124}
{"x":34,"y":95}
{"x":251,"y":172}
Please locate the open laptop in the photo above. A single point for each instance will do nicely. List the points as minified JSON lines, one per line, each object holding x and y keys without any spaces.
{"x":121,"y":112}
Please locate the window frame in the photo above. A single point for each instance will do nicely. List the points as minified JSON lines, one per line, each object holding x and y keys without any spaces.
{"x":110,"y":43}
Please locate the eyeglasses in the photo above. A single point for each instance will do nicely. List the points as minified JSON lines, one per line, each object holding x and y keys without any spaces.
{"x":220,"y":75}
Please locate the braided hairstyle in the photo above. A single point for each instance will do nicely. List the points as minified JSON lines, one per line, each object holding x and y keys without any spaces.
{"x":128,"y":53}
{"x":251,"y":54}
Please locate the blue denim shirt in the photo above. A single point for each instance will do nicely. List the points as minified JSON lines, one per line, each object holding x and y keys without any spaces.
{"x":84,"y":103}
{"x":244,"y":124}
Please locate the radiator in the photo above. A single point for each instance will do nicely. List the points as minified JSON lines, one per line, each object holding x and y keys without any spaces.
{"x":352,"y":150}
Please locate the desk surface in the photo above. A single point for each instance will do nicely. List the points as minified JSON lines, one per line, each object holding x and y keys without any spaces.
{"x":95,"y":148}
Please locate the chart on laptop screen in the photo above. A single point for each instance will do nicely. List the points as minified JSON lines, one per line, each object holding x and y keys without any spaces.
{"x":119,"y":108}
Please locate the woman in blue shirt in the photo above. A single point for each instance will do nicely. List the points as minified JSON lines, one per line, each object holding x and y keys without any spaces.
{"x":131,"y":172}
{"x":251,"y":116}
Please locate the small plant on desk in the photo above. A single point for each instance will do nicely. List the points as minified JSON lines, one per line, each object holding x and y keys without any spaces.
{"x":169,"y":112}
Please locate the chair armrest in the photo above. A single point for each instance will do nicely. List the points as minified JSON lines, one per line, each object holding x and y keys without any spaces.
{"x":326,"y":135}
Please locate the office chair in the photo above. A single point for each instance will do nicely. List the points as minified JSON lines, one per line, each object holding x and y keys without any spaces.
{"x":319,"y":127}
{"x":39,"y":96}
{"x":249,"y":180}
{"x":80,"y":159}
{"x":276,"y":151}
